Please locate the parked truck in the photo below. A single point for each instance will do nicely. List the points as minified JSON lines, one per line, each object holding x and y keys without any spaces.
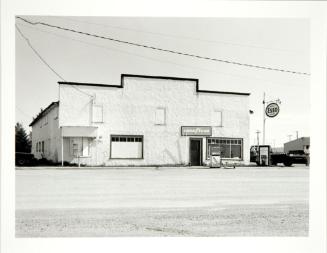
{"x":25,"y":159}
{"x":264,"y":156}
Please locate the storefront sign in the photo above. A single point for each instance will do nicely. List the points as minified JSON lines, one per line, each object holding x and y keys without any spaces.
{"x":272,"y":110}
{"x":215,"y":149}
{"x":196,"y":131}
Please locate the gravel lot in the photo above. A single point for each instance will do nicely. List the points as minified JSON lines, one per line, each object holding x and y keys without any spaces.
{"x":90,"y":202}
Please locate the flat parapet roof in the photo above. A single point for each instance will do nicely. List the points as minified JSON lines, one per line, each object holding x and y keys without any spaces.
{"x":155,"y":77}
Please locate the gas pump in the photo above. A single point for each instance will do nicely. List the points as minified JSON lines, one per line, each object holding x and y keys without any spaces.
{"x":215,"y":156}
{"x":264,"y":155}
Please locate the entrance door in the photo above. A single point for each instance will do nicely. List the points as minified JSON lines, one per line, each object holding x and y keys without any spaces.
{"x":195,"y":152}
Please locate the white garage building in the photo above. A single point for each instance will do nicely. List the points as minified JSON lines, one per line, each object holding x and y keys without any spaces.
{"x":146,"y":120}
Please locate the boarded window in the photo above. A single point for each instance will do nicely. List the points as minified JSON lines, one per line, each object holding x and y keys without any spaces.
{"x":126,"y":147}
{"x":216,"y":118}
{"x":160,"y":116}
{"x":86,"y":146}
{"x":97,"y":113}
{"x":79,"y":146}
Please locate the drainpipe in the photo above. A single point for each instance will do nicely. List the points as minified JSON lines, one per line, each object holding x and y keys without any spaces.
{"x":62,"y":149}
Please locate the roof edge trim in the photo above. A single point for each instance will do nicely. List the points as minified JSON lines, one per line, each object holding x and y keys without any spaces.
{"x":155,"y":77}
{"x":44,"y":112}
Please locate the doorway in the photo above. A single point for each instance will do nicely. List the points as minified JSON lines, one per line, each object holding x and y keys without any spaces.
{"x":195,"y":151}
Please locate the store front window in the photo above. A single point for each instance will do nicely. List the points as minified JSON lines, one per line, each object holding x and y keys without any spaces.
{"x":230,"y":147}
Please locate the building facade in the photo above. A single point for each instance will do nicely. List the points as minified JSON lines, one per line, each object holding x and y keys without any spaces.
{"x":302,"y":143}
{"x":46,"y":134}
{"x":144,"y":121}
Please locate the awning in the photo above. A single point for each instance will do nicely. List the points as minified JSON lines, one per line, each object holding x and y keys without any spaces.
{"x":79,"y":131}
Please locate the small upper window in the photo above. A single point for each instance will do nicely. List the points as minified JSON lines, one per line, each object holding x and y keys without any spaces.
{"x":216,"y":119}
{"x":160,"y":116}
{"x":97,"y":113}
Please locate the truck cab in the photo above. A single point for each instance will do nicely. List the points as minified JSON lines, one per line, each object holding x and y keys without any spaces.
{"x":263,"y":155}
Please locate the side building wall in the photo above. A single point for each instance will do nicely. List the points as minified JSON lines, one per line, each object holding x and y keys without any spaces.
{"x":131,"y":110}
{"x":46,"y":142}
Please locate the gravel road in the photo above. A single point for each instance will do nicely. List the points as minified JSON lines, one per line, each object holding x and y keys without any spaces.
{"x":162,"y":202}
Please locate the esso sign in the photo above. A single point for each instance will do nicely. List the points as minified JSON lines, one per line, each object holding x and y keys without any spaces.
{"x":272,"y":110}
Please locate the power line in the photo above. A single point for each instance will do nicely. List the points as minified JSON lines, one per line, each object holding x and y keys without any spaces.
{"x":146,"y":57}
{"x":181,"y":36}
{"x":40,"y":57}
{"x":23,"y":113}
{"x":163,"y":50}
{"x":44,"y":61}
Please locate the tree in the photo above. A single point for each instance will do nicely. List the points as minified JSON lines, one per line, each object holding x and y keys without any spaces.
{"x":23,"y":142}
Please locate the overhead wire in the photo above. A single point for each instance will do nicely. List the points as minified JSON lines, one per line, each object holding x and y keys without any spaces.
{"x":23,"y":113}
{"x":145,"y":57}
{"x":37,"y":53}
{"x":180,"y":36}
{"x":163,"y":50}
{"x":45,"y":62}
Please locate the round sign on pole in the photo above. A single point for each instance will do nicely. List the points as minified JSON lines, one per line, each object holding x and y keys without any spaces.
{"x":272,"y":110}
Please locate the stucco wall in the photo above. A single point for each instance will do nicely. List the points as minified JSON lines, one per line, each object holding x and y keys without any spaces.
{"x":131,"y":110}
{"x":50,"y":134}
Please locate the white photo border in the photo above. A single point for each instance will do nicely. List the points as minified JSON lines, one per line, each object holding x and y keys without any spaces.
{"x":315,"y":11}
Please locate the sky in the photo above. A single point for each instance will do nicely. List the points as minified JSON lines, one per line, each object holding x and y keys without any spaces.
{"x":277,"y":43}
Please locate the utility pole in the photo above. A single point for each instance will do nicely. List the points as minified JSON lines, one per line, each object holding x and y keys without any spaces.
{"x":297,"y":134}
{"x":257,"y":132}
{"x":264,"y":118}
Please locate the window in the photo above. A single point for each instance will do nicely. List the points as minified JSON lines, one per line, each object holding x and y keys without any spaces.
{"x":80,"y":146}
{"x":229,"y":147}
{"x":56,"y":115}
{"x":45,"y":119}
{"x":37,"y":147}
{"x":42,"y":146}
{"x":216,"y":118}
{"x":160,"y":116}
{"x":97,"y":113}
{"x":126,"y":147}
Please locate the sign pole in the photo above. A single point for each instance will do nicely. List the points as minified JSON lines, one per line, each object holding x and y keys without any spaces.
{"x":62,"y":149}
{"x":270,"y":111}
{"x":264,"y":119}
{"x":258,"y":132}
